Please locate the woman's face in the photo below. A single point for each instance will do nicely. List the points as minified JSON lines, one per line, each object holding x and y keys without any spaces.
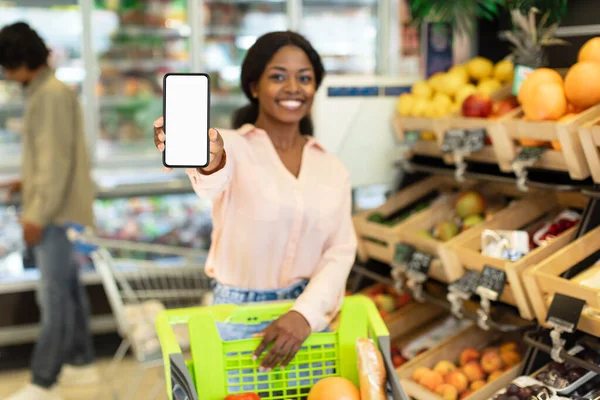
{"x":287,"y":86}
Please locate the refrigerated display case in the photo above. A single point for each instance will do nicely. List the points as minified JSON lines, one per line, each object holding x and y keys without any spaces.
{"x":344,"y":32}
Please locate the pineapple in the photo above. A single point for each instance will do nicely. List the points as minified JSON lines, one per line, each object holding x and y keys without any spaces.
{"x":530,"y":39}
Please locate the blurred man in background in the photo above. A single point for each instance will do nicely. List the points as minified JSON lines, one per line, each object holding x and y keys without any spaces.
{"x":57,"y":189}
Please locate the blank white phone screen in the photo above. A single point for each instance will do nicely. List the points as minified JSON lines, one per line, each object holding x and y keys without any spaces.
{"x":186,"y":120}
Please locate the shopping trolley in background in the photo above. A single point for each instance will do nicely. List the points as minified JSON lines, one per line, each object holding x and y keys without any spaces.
{"x":138,"y":290}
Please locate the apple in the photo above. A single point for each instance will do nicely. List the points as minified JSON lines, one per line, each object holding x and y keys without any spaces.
{"x":470,"y":203}
{"x":477,"y":105}
{"x":504,"y":106}
{"x":386,"y":302}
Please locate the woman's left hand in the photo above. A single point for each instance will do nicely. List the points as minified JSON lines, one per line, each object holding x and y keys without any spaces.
{"x":287,"y":334}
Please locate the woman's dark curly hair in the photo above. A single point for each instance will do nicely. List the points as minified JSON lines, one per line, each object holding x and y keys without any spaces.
{"x":254,"y":65}
{"x":22,"y":46}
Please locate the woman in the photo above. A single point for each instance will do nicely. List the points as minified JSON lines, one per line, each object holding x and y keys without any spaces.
{"x":281,"y":203}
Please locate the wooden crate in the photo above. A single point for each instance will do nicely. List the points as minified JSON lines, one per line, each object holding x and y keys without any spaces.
{"x":543,"y":280}
{"x":430,"y":148}
{"x":377,"y":241}
{"x":535,"y":209}
{"x":408,"y":318}
{"x":450,"y":350}
{"x":450,"y":269}
{"x":589,"y":134}
{"x":490,"y":153}
{"x":567,"y":152}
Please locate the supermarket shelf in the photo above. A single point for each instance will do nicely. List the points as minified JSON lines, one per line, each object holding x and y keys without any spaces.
{"x":144,"y":64}
{"x":182,"y":31}
{"x":22,"y":334}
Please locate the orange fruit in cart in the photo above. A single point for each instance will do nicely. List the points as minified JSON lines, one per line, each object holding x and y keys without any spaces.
{"x":582,"y":84}
{"x":590,"y":51}
{"x":334,"y":388}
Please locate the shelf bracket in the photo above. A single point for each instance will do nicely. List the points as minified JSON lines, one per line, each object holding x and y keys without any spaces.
{"x":456,"y":299}
{"x":484,"y":311}
{"x":415,"y":282}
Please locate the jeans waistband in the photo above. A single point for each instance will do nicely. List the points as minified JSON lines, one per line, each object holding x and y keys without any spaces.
{"x":228,"y":294}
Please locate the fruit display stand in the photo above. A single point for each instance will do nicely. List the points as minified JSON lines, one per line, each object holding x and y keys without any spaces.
{"x":377,"y":238}
{"x":494,"y":145}
{"x":529,"y":214}
{"x":415,"y":232}
{"x":400,"y":313}
{"x":427,"y":142}
{"x":473,"y":364}
{"x":589,"y":134}
{"x":547,"y":278}
{"x":559,"y":140}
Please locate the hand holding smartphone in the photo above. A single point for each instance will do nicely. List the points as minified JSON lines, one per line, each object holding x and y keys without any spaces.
{"x":185,"y":122}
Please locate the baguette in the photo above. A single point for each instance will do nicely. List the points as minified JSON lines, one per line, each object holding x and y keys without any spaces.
{"x":371,"y":371}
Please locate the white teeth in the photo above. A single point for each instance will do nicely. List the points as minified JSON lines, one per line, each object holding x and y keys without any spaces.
{"x":291,"y":104}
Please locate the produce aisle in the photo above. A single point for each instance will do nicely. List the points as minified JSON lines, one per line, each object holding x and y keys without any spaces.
{"x":486,"y":261}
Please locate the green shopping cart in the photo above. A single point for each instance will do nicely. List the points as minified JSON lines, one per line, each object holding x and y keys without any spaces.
{"x":217,"y":368}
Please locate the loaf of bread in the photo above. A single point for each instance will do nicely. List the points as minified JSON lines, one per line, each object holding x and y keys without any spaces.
{"x":371,"y":371}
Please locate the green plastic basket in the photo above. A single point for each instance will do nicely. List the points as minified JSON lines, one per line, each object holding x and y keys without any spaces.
{"x":218,"y":368}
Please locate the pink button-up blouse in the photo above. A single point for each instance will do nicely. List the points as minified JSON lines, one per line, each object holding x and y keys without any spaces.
{"x":272,"y":230}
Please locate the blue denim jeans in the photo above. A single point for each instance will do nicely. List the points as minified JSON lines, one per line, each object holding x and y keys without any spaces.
{"x":229,"y":295}
{"x":65,"y":336}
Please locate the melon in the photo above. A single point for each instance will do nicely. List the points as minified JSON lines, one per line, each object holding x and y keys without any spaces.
{"x":334,"y":388}
{"x":582,"y":84}
{"x":590,"y":51}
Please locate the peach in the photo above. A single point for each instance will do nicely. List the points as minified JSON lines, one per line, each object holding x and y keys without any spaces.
{"x":431,"y":380}
{"x":444,"y":367}
{"x":458,"y":380}
{"x":469,"y":355}
{"x":495,"y":375}
{"x":473,"y":371}
{"x":475,"y":386}
{"x":448,"y":392}
{"x":491,"y":362}
{"x":509,"y":346}
{"x":510,"y":358}
{"x":490,"y":350}
{"x":419,"y":373}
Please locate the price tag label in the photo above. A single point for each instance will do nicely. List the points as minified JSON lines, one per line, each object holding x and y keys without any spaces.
{"x":419,"y":262}
{"x":492,"y":279}
{"x":474,"y":140}
{"x":403,"y":253}
{"x":565,"y":311}
{"x":467,"y":284}
{"x":453,"y":140}
{"x":529,"y":155}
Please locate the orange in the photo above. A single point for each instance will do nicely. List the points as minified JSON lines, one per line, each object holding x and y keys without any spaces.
{"x":582,"y":84}
{"x":590,"y":51}
{"x":536,"y":77}
{"x":546,"y":101}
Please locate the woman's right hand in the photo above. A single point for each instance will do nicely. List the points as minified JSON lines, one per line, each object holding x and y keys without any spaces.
{"x":216,"y":145}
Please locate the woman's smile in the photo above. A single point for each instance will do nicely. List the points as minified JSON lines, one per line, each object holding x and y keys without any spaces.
{"x":290,"y":105}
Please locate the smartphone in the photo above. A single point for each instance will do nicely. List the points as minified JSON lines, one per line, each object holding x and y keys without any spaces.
{"x":186,"y":104}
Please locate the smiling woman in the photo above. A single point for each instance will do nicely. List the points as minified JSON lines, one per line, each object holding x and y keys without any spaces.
{"x":282,"y":224}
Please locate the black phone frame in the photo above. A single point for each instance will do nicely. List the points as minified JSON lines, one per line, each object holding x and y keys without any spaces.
{"x":164,"y":96}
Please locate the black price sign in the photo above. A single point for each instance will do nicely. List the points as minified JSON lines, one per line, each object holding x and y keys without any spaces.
{"x":474,"y":140}
{"x":492,"y":279}
{"x":529,"y":154}
{"x":403,"y":253}
{"x":453,"y":140}
{"x":468,"y":140}
{"x":565,"y":311}
{"x":419,"y":262}
{"x":466,"y":284}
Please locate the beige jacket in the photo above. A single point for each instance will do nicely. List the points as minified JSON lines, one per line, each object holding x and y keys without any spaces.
{"x":57,"y":186}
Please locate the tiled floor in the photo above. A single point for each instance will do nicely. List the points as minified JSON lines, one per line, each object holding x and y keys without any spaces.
{"x":11,"y":381}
